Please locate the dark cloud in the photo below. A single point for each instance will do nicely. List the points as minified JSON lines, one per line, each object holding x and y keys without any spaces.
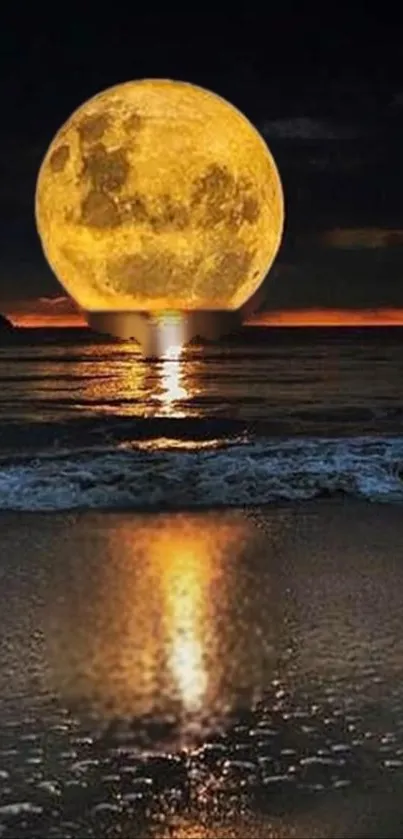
{"x":337,"y":278}
{"x":364,"y":238}
{"x":307,"y":128}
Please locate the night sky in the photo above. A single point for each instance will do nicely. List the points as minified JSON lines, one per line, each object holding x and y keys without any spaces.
{"x":326,"y":92}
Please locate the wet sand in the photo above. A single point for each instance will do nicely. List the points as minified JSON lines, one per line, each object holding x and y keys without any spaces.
{"x":202,"y":675}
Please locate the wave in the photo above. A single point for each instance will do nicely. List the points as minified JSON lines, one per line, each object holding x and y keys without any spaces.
{"x":219,"y":475}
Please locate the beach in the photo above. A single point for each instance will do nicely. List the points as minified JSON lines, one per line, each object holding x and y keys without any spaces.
{"x":216,"y":671}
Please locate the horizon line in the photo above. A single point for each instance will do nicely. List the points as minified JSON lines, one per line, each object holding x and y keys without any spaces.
{"x":316,"y":317}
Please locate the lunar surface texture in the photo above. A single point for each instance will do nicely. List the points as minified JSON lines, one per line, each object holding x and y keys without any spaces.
{"x":159,"y":195}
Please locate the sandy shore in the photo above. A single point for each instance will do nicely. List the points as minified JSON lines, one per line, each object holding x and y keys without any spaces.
{"x":262,"y":649}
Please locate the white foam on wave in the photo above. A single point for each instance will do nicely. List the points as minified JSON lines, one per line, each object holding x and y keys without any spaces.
{"x":236,"y":475}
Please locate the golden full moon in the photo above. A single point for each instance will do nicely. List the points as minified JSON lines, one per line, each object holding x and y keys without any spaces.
{"x":159,"y":195}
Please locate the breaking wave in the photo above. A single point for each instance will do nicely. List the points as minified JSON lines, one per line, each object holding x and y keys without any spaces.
{"x":220,"y":475}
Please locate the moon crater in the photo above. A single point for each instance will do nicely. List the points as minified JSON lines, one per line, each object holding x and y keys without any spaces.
{"x":106,"y":170}
{"x":99,"y":210}
{"x":218,"y":197}
{"x":169,"y":215}
{"x":229,"y":270}
{"x":92,"y":128}
{"x":149,"y":272}
{"x":59,"y":158}
{"x":133,"y":123}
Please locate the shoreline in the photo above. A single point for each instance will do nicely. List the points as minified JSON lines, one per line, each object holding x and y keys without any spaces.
{"x":326,"y":502}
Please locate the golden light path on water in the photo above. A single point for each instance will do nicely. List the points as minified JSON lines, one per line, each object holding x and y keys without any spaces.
{"x":184,"y":595}
{"x":171,"y":364}
{"x":185,"y":580}
{"x":167,"y":624}
{"x":164,"y":382}
{"x":185,"y":607}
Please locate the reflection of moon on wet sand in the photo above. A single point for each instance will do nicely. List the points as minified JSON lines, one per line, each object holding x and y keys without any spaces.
{"x":159,"y":195}
{"x":168,"y":623}
{"x":141,"y":614}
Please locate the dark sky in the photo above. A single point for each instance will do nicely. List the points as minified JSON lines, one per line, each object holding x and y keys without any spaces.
{"x":326,"y":92}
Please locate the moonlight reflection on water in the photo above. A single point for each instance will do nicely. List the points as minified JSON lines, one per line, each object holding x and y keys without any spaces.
{"x":165,"y":624}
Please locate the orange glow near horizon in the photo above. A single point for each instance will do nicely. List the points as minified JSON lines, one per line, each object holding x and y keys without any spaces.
{"x":42,"y":319}
{"x":329,"y":317}
{"x":41,"y":314}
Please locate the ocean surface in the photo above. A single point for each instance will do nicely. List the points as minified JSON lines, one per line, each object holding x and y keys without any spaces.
{"x":283,"y":414}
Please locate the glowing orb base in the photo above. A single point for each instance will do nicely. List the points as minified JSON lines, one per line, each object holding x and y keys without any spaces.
{"x":158,"y":333}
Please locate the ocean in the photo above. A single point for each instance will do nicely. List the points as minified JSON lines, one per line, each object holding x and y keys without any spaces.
{"x":287,"y":414}
{"x":201,"y":587}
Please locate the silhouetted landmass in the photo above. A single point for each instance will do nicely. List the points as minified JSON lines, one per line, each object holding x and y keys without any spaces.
{"x":247,"y":336}
{"x":6,"y":327}
{"x":55,"y":335}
